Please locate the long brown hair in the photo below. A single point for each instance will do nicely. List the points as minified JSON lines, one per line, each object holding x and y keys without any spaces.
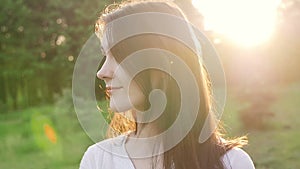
{"x":189,"y":153}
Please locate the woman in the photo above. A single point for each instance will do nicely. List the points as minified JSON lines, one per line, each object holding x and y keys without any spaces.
{"x":152,"y":69}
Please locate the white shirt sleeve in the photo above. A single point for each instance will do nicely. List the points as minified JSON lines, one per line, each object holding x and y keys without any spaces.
{"x":100,"y":156}
{"x":237,"y":158}
{"x":87,"y":159}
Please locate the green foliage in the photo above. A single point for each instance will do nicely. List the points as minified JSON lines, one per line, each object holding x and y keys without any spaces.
{"x":64,"y":109}
{"x":39,"y":43}
{"x":26,"y":145}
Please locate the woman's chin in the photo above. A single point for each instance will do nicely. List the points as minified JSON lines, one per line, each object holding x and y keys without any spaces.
{"x":118,"y":109}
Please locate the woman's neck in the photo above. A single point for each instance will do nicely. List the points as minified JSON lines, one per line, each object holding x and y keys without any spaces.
{"x":144,"y":129}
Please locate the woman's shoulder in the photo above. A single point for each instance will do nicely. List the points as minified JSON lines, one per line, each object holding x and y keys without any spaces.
{"x":237,"y":158}
{"x":109,"y":143}
{"x":106,"y":145}
{"x":101,"y":150}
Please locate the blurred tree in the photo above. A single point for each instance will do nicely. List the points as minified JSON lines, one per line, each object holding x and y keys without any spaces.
{"x":39,"y":43}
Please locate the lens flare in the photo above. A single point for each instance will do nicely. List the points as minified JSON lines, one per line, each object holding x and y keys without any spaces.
{"x":50,"y":133}
{"x":46,"y":139}
{"x":246,"y":22}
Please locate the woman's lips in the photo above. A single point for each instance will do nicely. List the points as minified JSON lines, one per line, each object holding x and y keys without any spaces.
{"x":110,"y":89}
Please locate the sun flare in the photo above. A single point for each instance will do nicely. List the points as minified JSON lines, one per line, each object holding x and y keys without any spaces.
{"x":246,"y":22}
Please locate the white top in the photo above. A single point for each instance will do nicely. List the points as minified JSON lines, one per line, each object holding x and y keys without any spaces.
{"x":111,"y":154}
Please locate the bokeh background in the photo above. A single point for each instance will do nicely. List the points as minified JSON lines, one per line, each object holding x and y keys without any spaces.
{"x":258,"y":43}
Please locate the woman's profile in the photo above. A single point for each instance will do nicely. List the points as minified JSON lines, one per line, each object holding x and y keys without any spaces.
{"x":153,"y":71}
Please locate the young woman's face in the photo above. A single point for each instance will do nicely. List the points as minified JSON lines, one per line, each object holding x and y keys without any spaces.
{"x":124,"y":92}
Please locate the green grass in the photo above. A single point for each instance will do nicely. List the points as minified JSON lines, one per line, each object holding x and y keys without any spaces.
{"x":23,"y":143}
{"x":278,"y":146}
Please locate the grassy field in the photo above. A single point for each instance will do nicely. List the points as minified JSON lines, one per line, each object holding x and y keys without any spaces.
{"x":277,"y":146}
{"x":50,"y":137}
{"x":25,"y":142}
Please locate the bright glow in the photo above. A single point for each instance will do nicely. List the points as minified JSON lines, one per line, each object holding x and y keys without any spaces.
{"x":50,"y":133}
{"x":70,"y":58}
{"x":247,"y":22}
{"x":60,"y":39}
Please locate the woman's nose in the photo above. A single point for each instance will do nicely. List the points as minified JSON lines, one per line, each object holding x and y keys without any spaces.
{"x":105,"y":72}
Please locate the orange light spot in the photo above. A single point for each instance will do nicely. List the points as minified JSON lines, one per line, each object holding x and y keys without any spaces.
{"x":50,"y":133}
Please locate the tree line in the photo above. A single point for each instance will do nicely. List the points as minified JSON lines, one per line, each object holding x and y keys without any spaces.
{"x":39,"y":43}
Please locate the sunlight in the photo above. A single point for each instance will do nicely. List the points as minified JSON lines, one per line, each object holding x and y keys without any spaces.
{"x":246,"y":22}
